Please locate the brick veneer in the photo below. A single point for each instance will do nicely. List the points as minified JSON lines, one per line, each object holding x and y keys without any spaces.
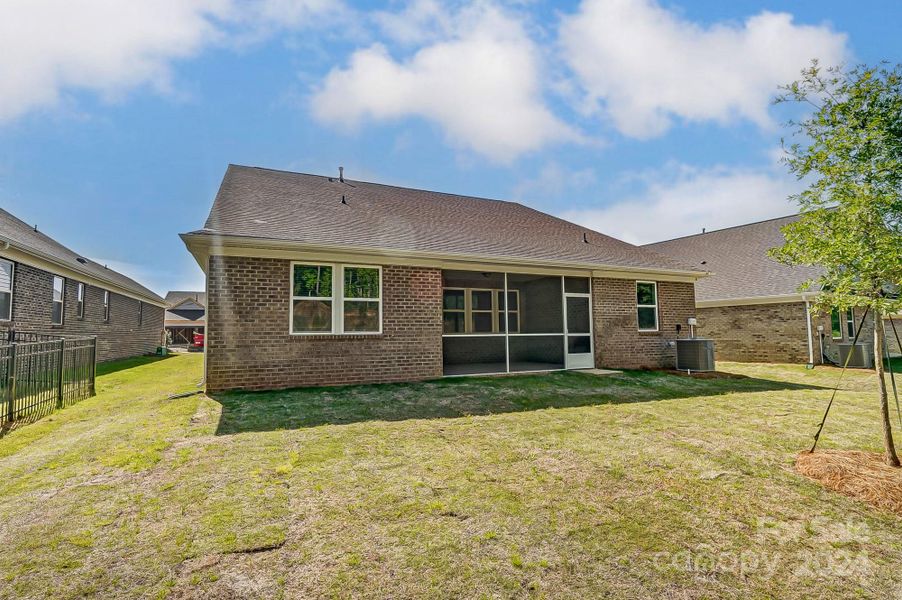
{"x":773,"y":332}
{"x":757,"y":332}
{"x":119,"y":338}
{"x":618,"y":342}
{"x":249,"y":347}
{"x":895,"y":347}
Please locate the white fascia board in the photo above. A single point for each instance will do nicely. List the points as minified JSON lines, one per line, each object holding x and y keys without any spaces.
{"x":202,"y":246}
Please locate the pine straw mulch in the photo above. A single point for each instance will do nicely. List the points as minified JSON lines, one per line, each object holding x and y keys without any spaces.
{"x":861,"y":475}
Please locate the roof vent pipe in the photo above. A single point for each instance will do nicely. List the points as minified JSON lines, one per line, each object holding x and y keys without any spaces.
{"x":341,"y":174}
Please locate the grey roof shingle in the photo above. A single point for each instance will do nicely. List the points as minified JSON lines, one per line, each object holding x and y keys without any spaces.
{"x":738,"y":261}
{"x":24,"y":237}
{"x":295,"y":207}
{"x":174,"y":297}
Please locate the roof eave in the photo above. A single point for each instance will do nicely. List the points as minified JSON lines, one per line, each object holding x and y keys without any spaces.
{"x":40,"y":260}
{"x":203,"y":244}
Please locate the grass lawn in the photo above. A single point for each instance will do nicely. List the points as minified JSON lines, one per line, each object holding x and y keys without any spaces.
{"x":563,"y":485}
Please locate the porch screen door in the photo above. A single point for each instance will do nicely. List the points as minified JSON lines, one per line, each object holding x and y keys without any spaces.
{"x":578,"y":323}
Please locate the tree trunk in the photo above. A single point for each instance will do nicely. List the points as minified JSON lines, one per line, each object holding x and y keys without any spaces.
{"x":891,"y":458}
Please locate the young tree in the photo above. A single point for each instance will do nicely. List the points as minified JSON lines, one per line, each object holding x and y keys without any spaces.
{"x":851,"y":213}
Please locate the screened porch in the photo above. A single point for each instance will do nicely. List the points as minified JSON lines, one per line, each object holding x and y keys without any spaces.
{"x":513,"y":322}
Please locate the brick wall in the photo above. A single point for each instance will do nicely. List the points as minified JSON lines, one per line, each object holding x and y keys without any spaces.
{"x":120,"y":338}
{"x":619,"y":343}
{"x":249,"y":347}
{"x":773,"y":332}
{"x":757,"y":333}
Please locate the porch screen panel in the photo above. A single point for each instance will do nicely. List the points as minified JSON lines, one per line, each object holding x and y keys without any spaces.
{"x":538,"y":343}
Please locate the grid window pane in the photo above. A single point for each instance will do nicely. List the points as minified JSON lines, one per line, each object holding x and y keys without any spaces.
{"x":57,"y":289}
{"x":312,"y":316}
{"x":850,"y":324}
{"x":6,"y":276}
{"x":454,"y":299}
{"x":361,"y":282}
{"x":482,"y":300}
{"x":312,"y":281}
{"x":482,"y":322}
{"x":361,"y":315}
{"x":645,"y":294}
{"x":5,"y":305}
{"x":648,"y":318}
{"x":835,"y":324}
{"x":453,"y":322}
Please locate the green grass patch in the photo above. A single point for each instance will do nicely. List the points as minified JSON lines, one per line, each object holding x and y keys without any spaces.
{"x":642,"y":484}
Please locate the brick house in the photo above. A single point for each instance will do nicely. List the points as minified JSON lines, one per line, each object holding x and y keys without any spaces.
{"x":185,"y":316}
{"x":751,"y":304}
{"x":315,"y":280}
{"x":47,"y":288}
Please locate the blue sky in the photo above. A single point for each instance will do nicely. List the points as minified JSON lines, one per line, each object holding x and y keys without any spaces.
{"x":643,"y":119}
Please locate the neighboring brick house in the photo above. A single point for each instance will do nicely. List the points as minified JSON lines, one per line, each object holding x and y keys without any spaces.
{"x":185,"y":316}
{"x":47,"y":288}
{"x":315,"y":280}
{"x":752,"y":306}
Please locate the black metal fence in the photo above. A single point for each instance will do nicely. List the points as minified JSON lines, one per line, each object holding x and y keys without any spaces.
{"x":40,"y":373}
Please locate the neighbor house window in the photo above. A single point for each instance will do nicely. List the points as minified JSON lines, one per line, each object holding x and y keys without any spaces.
{"x":59,"y":293}
{"x":336,"y":299}
{"x":850,"y":324}
{"x":106,"y":306}
{"x":6,"y":290}
{"x":477,"y":310}
{"x":647,"y":305}
{"x":836,"y":324}
{"x":80,"y":306}
{"x":140,"y":313}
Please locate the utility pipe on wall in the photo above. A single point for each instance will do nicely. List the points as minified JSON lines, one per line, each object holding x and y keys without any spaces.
{"x":808,"y":325}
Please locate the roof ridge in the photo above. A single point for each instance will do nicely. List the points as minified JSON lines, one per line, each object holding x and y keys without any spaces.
{"x":387,"y":185}
{"x":692,"y":235}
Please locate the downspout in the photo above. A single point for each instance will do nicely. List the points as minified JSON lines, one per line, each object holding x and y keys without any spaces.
{"x":808,"y":326}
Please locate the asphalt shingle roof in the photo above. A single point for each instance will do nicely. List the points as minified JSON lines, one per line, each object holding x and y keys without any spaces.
{"x":174,"y":297}
{"x":23,"y":236}
{"x":295,"y":207}
{"x":738,"y":261}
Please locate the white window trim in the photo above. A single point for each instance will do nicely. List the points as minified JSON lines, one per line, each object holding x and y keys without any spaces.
{"x":337,"y":298}
{"x":80,"y":301}
{"x":850,"y":320}
{"x":11,"y":292}
{"x":62,"y":300}
{"x":657,"y":326}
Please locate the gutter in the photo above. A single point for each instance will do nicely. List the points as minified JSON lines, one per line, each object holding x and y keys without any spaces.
{"x":19,"y":251}
{"x":202,"y":246}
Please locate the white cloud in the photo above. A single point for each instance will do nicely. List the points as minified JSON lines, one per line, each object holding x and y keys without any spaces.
{"x":553,"y":182}
{"x":482,"y":84}
{"x":681,"y":200}
{"x":644,"y":65}
{"x":110,"y":46}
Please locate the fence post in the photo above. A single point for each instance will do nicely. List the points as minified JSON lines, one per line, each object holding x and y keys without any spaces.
{"x":11,"y":387}
{"x":93,"y":365}
{"x":59,"y":372}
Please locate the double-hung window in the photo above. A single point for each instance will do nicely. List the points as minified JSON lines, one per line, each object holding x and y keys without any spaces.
{"x":335,"y":299}
{"x":835,"y":324}
{"x":477,"y":310}
{"x":80,"y":297}
{"x":647,"y":305}
{"x":59,"y":297}
{"x":850,"y":324}
{"x":106,"y":306}
{"x":6,"y":290}
{"x":140,"y":313}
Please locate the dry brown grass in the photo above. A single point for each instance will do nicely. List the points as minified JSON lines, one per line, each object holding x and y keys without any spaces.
{"x":861,"y":475}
